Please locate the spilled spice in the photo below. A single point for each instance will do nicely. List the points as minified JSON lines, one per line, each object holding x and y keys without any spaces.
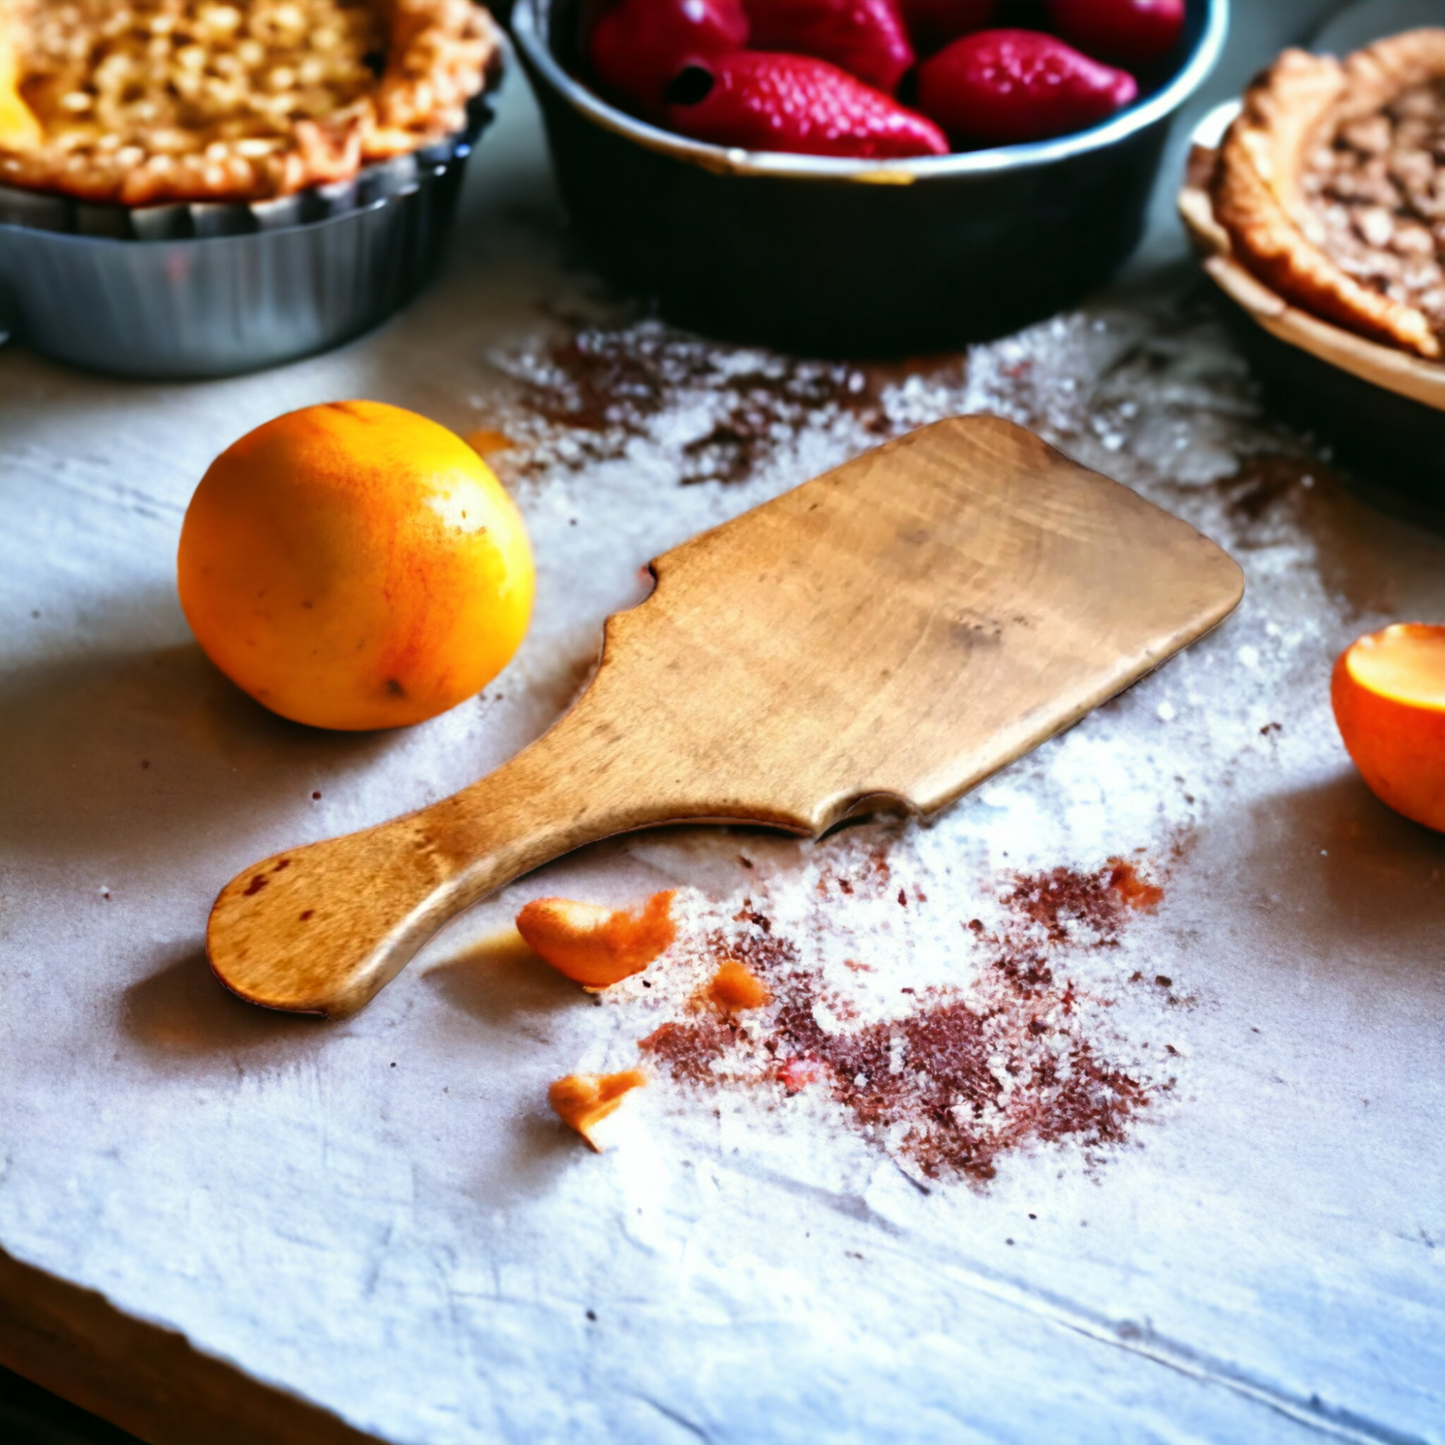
{"x":959,"y":1077}
{"x":1264,"y":483}
{"x":1064,"y":896}
{"x":725,"y":410}
{"x":1277,"y":500}
{"x":1125,"y":882}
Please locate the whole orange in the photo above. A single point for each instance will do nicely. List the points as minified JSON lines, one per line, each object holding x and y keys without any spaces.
{"x":355,"y":566}
{"x":1389,"y":698}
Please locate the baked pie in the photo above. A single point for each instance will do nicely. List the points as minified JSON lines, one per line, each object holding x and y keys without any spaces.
{"x":144,"y":102}
{"x":1331,"y":185}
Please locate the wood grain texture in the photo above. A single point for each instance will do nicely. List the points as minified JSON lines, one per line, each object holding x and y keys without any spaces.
{"x":900,"y":628}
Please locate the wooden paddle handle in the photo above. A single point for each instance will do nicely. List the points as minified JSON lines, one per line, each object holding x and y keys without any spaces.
{"x":320,"y":929}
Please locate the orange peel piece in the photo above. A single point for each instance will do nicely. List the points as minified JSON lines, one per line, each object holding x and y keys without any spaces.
{"x":735,"y":987}
{"x":1137,"y":892}
{"x":597,"y":946}
{"x":1388,"y":692}
{"x":582,"y":1101}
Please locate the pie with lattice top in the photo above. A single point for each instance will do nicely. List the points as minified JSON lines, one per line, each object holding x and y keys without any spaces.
{"x":1331,"y":184}
{"x":149,"y":101}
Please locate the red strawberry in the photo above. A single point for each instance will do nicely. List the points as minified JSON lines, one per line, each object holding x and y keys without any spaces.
{"x":933,"y":23}
{"x":769,"y":102}
{"x":1126,"y":32}
{"x":1000,"y":87}
{"x":864,"y":37}
{"x":637,"y":47}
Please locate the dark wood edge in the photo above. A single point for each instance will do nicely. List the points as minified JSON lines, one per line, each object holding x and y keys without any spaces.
{"x":144,"y":1378}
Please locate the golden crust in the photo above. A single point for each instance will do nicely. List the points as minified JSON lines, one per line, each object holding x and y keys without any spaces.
{"x":1296,"y":106}
{"x":146,"y":102}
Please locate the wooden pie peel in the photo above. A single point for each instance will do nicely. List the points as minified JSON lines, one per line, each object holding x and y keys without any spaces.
{"x":898,"y":629}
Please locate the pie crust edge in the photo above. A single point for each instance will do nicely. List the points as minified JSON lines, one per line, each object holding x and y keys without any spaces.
{"x":1257,"y":192}
{"x":441,"y":53}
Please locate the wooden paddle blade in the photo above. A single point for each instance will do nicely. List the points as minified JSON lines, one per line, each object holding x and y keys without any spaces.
{"x":904,"y":626}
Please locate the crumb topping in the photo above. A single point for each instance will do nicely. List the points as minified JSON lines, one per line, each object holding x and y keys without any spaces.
{"x":1375,"y":195}
{"x":150,"y":101}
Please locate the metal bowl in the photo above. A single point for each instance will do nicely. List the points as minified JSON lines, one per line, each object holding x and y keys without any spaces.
{"x":213,"y":290}
{"x":844,"y":256}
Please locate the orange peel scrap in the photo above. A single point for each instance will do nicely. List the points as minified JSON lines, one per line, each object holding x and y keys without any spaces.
{"x":1131,"y":888}
{"x":1388,"y":692}
{"x":582,"y":1101}
{"x":735,"y":988}
{"x":597,"y":946}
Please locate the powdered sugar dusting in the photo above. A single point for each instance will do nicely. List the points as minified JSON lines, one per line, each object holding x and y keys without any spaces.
{"x":1151,"y":394}
{"x":1158,"y":393}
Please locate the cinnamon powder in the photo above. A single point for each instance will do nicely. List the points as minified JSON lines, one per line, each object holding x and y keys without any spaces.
{"x":588,"y":397}
{"x":957,"y":1078}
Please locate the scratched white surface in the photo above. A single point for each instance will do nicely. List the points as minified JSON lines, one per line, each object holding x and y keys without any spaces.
{"x":382,"y":1217}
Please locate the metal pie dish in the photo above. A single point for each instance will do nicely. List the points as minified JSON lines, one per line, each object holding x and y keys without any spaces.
{"x":850,"y":257}
{"x":214,"y":289}
{"x":1381,"y":408}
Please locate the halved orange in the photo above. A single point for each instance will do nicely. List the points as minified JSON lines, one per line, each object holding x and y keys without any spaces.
{"x":1389,"y":697}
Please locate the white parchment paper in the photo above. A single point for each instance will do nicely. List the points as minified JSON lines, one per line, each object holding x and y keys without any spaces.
{"x":383,"y":1217}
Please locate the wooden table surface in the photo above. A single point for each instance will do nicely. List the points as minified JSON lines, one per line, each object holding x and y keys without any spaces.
{"x":221,"y":1224}
{"x":32,"y":1416}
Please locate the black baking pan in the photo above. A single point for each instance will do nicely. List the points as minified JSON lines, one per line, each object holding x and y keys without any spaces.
{"x":849,"y":257}
{"x":1393,"y":445}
